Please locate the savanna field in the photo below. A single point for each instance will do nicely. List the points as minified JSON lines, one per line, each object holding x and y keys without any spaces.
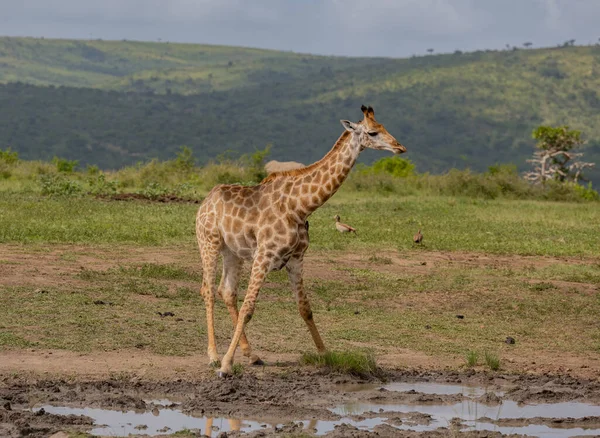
{"x":99,"y":290}
{"x":85,"y":272}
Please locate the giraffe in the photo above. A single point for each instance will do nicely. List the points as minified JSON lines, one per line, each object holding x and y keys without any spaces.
{"x":267,"y":225}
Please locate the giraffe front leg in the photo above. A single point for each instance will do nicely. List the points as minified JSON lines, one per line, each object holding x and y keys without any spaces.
{"x":257,"y":278}
{"x":232,"y":266}
{"x":294,"y":268}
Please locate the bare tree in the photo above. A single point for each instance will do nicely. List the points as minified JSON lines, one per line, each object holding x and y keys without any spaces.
{"x":527,"y":44}
{"x":429,"y":51}
{"x":554,"y":157}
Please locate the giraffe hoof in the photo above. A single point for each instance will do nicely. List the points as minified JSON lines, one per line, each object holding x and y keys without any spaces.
{"x":256,"y":362}
{"x":222,"y":374}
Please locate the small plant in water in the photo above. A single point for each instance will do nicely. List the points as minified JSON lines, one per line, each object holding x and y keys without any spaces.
{"x":472,"y":357}
{"x":492,"y":361}
{"x":351,"y":362}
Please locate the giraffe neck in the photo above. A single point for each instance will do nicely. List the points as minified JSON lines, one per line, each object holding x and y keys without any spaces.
{"x":309,"y":188}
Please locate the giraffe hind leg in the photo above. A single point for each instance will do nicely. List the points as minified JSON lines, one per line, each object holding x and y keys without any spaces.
{"x":294,"y":268}
{"x":209,"y":251}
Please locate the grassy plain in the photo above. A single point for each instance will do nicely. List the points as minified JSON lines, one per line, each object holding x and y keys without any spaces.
{"x":87,"y":275}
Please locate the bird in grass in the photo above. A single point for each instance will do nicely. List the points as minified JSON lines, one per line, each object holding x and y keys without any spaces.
{"x":418,"y":238}
{"x":342,"y":227}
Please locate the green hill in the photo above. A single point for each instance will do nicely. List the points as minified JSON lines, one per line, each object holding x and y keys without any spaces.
{"x":115,"y":103}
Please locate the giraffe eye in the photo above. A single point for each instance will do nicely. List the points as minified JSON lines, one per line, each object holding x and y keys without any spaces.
{"x":372,"y":134}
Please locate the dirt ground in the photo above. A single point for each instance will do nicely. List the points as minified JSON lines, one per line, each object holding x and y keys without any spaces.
{"x":282,"y":391}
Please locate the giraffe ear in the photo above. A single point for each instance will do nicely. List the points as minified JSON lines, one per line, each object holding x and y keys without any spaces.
{"x":348,"y":125}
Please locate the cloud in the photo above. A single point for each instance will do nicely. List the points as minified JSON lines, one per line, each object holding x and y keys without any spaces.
{"x":342,"y":27}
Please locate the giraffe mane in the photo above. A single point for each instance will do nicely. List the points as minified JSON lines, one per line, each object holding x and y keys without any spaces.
{"x":304,"y":170}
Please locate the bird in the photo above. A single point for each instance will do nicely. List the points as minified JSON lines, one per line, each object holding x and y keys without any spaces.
{"x":418,"y":238}
{"x":341,"y":227}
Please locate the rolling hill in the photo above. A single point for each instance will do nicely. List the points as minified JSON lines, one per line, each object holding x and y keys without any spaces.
{"x":114,"y":103}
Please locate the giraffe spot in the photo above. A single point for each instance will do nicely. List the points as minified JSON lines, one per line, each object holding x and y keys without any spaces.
{"x":307,"y":179}
{"x":241,"y":241}
{"x":226,"y":195}
{"x":237,"y":225}
{"x":271,"y":246}
{"x":268,"y":233}
{"x":295,"y":191}
{"x":252,"y":215}
{"x":305,"y":189}
{"x":235,"y":211}
{"x":316,"y":200}
{"x":250,"y":234}
{"x":314,"y":188}
{"x":227,"y":222}
{"x":248,"y":203}
{"x":329,"y":186}
{"x":279,"y":227}
{"x":292,"y":203}
{"x":305,"y":203}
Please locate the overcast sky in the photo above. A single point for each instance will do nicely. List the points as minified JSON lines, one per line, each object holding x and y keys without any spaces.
{"x":394,"y":28}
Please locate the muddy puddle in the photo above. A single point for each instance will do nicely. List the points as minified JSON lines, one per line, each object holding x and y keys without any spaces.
{"x":417,"y":407}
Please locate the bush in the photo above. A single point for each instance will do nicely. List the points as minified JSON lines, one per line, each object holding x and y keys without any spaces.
{"x":8,"y":156}
{"x":185,"y":160}
{"x":65,"y":166}
{"x":100,"y":186}
{"x":154,"y":190}
{"x":395,"y":166}
{"x":58,"y":185}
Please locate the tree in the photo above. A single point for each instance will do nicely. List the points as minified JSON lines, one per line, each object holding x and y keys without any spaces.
{"x":527,"y":44}
{"x":554,"y":158}
{"x":430,"y":51}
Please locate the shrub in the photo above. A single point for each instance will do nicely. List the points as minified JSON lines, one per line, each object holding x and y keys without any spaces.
{"x":154,"y":190}
{"x":58,"y":185}
{"x":65,"y":166}
{"x":8,"y":156}
{"x":100,"y":186}
{"x":185,"y":160}
{"x":395,"y":166}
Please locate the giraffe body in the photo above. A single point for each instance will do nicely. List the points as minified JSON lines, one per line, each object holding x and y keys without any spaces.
{"x":267,"y":225}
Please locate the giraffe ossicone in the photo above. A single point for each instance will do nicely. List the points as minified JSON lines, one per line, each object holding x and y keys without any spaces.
{"x":266,"y":225}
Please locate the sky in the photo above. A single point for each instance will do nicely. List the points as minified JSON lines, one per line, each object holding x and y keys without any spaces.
{"x":392,"y":28}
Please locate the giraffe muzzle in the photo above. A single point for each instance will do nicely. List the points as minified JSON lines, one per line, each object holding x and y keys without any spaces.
{"x":399,"y":149}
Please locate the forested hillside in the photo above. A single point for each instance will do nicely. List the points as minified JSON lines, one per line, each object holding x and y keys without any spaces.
{"x":115,"y":103}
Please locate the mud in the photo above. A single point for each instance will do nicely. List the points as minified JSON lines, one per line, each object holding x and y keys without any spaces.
{"x":295,"y":400}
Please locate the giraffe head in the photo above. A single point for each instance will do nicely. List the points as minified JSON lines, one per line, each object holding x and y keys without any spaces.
{"x":371,"y":134}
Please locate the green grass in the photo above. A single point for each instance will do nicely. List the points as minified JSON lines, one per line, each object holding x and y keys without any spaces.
{"x":493,"y":226}
{"x":349,"y":362}
{"x":471,"y":358}
{"x":237,"y":369}
{"x":492,"y":361}
{"x":371,"y":291}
